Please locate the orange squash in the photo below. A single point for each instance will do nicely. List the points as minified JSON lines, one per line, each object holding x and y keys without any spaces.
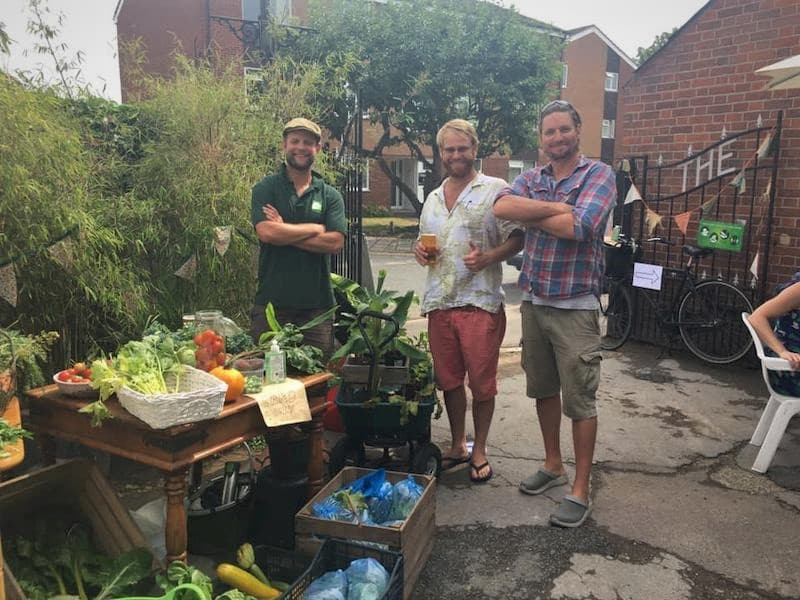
{"x":233,"y":378}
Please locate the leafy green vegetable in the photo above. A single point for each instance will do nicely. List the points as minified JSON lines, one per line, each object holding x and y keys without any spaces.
{"x":141,"y":366}
{"x":59,"y":560}
{"x":9,"y":434}
{"x":300,"y":357}
{"x":239,"y":342}
{"x":178,"y":572}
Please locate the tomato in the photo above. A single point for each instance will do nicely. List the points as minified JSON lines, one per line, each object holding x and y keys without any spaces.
{"x":70,"y":372}
{"x":63,"y":376}
{"x":220,"y":358}
{"x":233,"y":378}
{"x":87,"y":373}
{"x":198,"y":340}
{"x":78,"y":379}
{"x":79,"y":367}
{"x":202,"y":354}
{"x":217,"y":345}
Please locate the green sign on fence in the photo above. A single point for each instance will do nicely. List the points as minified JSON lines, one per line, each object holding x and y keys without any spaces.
{"x":720,"y":236}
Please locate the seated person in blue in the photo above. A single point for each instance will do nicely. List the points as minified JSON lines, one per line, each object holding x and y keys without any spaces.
{"x":784,"y":337}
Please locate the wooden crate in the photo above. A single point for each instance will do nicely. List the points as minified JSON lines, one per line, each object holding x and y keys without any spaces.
{"x":413,"y":539}
{"x":76,"y":486}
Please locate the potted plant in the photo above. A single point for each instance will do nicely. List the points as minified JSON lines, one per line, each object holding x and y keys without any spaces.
{"x":21,"y":357}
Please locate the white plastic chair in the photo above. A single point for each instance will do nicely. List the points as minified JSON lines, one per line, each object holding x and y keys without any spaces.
{"x":779,"y":410}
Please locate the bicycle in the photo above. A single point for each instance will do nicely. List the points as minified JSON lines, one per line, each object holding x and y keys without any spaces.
{"x":707,"y":314}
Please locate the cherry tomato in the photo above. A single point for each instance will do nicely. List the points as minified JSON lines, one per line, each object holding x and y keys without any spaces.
{"x":217,"y":345}
{"x":70,"y":372}
{"x":220,"y":358}
{"x":78,"y":379}
{"x":63,"y":376}
{"x":202,"y":354}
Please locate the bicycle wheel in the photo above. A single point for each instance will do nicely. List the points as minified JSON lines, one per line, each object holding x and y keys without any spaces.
{"x":616,"y":313}
{"x":710,"y":322}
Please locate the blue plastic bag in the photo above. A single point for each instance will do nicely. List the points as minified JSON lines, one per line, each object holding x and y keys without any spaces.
{"x":405,"y":496}
{"x":367,"y":579}
{"x":330,"y":586}
{"x":333,"y":510}
{"x":380,"y":504}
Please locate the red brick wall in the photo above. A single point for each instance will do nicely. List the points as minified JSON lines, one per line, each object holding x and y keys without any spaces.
{"x":586,"y":58}
{"x":163,"y":27}
{"x":704,"y":81}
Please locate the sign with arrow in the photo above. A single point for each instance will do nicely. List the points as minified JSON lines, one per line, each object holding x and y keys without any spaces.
{"x":647,"y":276}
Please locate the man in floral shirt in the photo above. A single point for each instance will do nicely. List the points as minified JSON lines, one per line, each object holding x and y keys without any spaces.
{"x":565,"y":205}
{"x":463,"y":293}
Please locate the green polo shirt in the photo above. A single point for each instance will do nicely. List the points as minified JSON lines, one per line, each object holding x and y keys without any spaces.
{"x":288,"y":276}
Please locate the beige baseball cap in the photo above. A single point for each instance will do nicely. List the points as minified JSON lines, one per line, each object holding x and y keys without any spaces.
{"x":301,"y":124}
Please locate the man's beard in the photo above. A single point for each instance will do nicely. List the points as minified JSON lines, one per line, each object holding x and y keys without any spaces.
{"x":459,"y":168}
{"x":292,"y":162}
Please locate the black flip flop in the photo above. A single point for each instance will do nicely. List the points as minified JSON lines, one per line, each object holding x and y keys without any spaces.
{"x":478,"y":469}
{"x":449,"y":462}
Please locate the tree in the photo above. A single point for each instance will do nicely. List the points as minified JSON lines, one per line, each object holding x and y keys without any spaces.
{"x":5,"y":41}
{"x":642,"y":54}
{"x":419,"y":63}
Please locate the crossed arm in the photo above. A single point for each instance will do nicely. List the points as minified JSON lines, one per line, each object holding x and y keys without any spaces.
{"x":553,"y":217}
{"x":312,"y":237}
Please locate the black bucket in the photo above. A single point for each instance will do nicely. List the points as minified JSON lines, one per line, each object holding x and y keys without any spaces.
{"x":277,"y":500}
{"x":216,"y":528}
{"x":288,"y":453}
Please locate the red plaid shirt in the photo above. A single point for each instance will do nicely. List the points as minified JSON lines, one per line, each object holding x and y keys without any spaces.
{"x":558,"y":268}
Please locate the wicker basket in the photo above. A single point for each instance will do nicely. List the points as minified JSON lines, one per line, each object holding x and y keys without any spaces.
{"x":200,"y":397}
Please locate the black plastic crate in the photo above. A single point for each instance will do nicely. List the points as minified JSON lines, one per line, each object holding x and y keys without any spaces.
{"x":338,"y":554}
{"x":362,"y":420}
{"x":279,"y":564}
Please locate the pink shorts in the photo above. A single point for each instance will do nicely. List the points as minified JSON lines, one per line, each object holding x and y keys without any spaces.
{"x":465,"y":342}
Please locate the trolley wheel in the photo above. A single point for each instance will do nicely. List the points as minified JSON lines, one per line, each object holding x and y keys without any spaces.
{"x":427,"y":460}
{"x":346,"y":453}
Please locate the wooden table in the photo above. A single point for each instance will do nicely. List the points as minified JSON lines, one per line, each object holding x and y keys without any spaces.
{"x":174,"y":450}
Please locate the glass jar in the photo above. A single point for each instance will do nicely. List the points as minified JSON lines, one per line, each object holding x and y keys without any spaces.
{"x":210,"y":352}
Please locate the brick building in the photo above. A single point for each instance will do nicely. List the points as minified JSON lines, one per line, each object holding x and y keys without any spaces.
{"x":593,"y":70}
{"x":700,"y":87}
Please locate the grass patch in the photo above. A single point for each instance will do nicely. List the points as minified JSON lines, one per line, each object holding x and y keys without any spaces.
{"x":390,"y":226}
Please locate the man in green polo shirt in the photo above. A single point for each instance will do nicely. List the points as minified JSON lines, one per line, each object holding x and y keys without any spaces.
{"x":299,"y":220}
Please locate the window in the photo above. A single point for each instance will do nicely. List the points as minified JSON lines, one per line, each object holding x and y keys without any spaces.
{"x":281,"y":10}
{"x":251,"y":10}
{"x":365,"y":168}
{"x":612,"y":82}
{"x":608,"y":129}
{"x":516,"y":168}
{"x":564,"y":74}
{"x":478,"y":164}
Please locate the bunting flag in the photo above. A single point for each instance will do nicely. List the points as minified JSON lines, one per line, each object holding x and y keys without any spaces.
{"x":754,"y":265}
{"x":682,"y":221}
{"x":708,"y":207}
{"x":633,"y":195}
{"x":188,"y":269}
{"x":8,"y":284}
{"x":653,"y":220}
{"x":739,"y":182}
{"x":766,"y":147}
{"x":222,"y":239}
{"x":63,"y":252}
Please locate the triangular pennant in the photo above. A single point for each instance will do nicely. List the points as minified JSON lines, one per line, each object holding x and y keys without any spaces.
{"x":708,"y":207}
{"x":8,"y":284}
{"x":682,"y":221}
{"x":653,"y":220}
{"x":767,"y":146}
{"x":633,"y":195}
{"x":188,"y":269}
{"x":754,"y":265}
{"x":222,"y":239}
{"x":63,"y":252}
{"x":738,"y":181}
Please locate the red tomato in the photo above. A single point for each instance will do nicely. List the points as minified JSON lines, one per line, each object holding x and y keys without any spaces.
{"x":78,"y":379}
{"x":217,"y":345}
{"x":220,"y":358}
{"x":202,"y":354}
{"x":198,"y":340}
{"x":207,"y":336}
{"x":70,"y":372}
{"x":87,"y":373}
{"x":63,"y":376}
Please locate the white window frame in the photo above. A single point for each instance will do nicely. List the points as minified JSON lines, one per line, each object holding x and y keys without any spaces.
{"x":612,"y":82}
{"x":608,"y":129}
{"x":564,"y":74}
{"x":366,"y":166}
{"x":288,"y":13}
{"x":244,"y":12}
{"x":478,"y":164}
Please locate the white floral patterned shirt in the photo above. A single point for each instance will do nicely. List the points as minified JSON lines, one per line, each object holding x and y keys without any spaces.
{"x":450,"y":284}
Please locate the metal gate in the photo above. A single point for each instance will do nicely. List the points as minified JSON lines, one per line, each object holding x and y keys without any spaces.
{"x":350,"y":261}
{"x":731,"y":181}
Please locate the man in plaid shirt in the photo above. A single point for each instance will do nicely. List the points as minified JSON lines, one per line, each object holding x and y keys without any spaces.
{"x":565,"y":206}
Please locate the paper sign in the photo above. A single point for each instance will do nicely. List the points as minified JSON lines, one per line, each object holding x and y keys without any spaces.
{"x":283,"y":403}
{"x":647,"y":276}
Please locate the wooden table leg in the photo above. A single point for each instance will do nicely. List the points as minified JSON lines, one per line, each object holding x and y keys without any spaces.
{"x":175,"y":531}
{"x":316,"y":442}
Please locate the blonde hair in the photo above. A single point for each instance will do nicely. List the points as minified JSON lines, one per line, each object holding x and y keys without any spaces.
{"x":459,"y":126}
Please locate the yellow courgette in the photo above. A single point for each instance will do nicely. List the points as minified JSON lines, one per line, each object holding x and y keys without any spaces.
{"x":245,"y":582}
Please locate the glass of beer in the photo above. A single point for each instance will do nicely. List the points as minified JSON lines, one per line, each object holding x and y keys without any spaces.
{"x":428,"y":241}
